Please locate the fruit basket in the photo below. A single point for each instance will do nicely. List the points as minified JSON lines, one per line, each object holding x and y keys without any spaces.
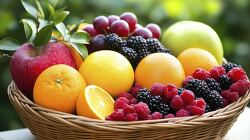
{"x":50,"y":125}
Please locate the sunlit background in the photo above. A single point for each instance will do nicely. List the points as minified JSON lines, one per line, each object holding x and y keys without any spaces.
{"x":229,"y":18}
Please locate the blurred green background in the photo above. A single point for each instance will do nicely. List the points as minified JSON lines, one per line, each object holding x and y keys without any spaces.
{"x":229,"y":18}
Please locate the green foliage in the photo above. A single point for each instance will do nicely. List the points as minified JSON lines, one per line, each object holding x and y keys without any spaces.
{"x":43,"y":36}
{"x":9,"y":44}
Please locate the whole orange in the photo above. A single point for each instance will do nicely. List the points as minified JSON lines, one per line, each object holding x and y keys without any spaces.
{"x":195,"y":58}
{"x":159,"y":68}
{"x":58,"y":87}
{"x":109,"y":70}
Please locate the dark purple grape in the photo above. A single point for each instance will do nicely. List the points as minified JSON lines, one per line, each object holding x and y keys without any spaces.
{"x":120,"y":27}
{"x":96,"y":43}
{"x":155,"y":29}
{"x":131,"y":19}
{"x":101,"y":24}
{"x":90,"y":29}
{"x":143,"y":32}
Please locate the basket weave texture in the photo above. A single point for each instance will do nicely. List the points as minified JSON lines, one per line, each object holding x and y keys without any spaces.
{"x":47,"y":124}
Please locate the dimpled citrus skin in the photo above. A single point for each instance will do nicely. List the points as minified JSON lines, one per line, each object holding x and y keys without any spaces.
{"x":58,"y":87}
{"x":109,"y":70}
{"x":194,"y":58}
{"x":159,"y":68}
{"x":25,"y":65}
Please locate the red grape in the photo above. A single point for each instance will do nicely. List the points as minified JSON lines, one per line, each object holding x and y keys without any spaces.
{"x":101,"y":24}
{"x":90,"y":29}
{"x":120,"y":27}
{"x":137,"y":26}
{"x":96,"y":43}
{"x":143,"y":32}
{"x":112,"y":18}
{"x":131,"y":19}
{"x":155,"y":29}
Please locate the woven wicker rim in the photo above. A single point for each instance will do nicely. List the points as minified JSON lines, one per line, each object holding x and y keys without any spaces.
{"x":18,"y":98}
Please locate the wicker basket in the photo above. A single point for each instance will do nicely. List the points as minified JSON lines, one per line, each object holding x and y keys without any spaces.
{"x":51,"y":125}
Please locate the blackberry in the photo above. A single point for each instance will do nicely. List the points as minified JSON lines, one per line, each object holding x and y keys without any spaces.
{"x":143,"y":52}
{"x":213,"y":84}
{"x":143,"y":95}
{"x":225,"y":82}
{"x":214,"y":100}
{"x":153,"y":44}
{"x":199,"y":87}
{"x":136,"y":43}
{"x":208,"y":108}
{"x":129,"y":53}
{"x":113,"y":42}
{"x":163,"y":108}
{"x":154,"y":103}
{"x":180,"y":90}
{"x":164,"y":50}
{"x":228,"y":66}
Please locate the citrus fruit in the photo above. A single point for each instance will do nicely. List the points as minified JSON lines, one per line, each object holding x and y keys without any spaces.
{"x":192,"y":34}
{"x":194,"y":58}
{"x":58,"y":87}
{"x":109,"y":70}
{"x":159,"y":68}
{"x":94,"y":103}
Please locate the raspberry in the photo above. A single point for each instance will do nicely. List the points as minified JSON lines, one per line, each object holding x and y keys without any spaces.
{"x":169,"y":116}
{"x":182,"y":113}
{"x":129,"y":109}
{"x":199,"y":103}
{"x":121,"y":102}
{"x":156,"y":89}
{"x":195,"y":110}
{"x":169,"y":91}
{"x":132,"y":101}
{"x":126,"y":95}
{"x":237,"y":74}
{"x":188,"y":78}
{"x":224,"y":93}
{"x":131,"y":117}
{"x":134,"y":90}
{"x":217,"y":71}
{"x":177,"y":103}
{"x":241,"y":87}
{"x":225,"y":102}
{"x":108,"y":118}
{"x":149,"y":117}
{"x":156,"y":115}
{"x":142,"y":110}
{"x":213,"y":85}
{"x":228,"y":66}
{"x":225,"y":82}
{"x":201,"y":74}
{"x":187,"y":97}
{"x":232,"y":97}
{"x":118,"y":115}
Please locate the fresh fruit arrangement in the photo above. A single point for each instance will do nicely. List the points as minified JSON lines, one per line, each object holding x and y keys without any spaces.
{"x":124,"y":73}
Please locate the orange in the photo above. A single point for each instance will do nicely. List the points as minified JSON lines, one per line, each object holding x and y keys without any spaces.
{"x":195,"y":58}
{"x":109,"y":70}
{"x":58,"y":87}
{"x":159,"y":68}
{"x":94,"y":103}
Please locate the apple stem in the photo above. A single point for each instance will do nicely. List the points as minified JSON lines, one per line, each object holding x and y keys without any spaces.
{"x":38,"y":50}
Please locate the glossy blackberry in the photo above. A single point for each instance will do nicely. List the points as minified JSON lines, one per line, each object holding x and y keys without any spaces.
{"x":136,"y":43}
{"x":153,"y":44}
{"x":129,"y":53}
{"x":143,"y":52}
{"x":143,"y":95}
{"x":225,"y":82}
{"x":214,"y":100}
{"x":164,"y":50}
{"x":113,"y":42}
{"x":208,"y":108}
{"x":199,"y":87}
{"x":228,"y":66}
{"x":213,"y":85}
{"x":154,"y":102}
{"x":163,"y":108}
{"x":180,"y":90}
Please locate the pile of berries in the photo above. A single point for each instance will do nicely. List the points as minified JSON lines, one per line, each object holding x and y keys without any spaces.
{"x":202,"y":92}
{"x":124,"y":35}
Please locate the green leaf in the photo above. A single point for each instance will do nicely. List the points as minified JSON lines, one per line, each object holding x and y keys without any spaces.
{"x":42,"y":23}
{"x":62,"y":28}
{"x":29,"y":28}
{"x":81,"y":49}
{"x":30,"y":9}
{"x":51,"y":10}
{"x":80,"y":37}
{"x":40,"y":9}
{"x":43,"y":36}
{"x":59,"y":16}
{"x":53,"y":2}
{"x":9,"y":44}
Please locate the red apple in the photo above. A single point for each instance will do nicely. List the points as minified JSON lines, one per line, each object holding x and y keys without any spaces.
{"x":27,"y":63}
